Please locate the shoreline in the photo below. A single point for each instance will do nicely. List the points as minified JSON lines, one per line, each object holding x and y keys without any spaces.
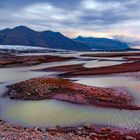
{"x":85,"y":132}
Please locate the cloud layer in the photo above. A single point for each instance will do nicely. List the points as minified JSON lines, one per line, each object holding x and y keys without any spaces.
{"x":85,"y":17}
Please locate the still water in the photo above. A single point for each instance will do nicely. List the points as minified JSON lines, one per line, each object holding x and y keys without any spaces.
{"x":49,"y":113}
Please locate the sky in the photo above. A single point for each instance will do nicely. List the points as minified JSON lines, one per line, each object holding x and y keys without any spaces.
{"x":100,"y":18}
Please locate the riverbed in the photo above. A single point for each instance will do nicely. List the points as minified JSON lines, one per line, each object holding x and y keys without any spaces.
{"x":50,"y":113}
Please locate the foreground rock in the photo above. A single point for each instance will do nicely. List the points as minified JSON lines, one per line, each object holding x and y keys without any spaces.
{"x":86,"y":132}
{"x":65,"y":90}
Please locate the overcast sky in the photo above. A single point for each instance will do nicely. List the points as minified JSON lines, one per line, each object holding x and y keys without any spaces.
{"x":74,"y":17}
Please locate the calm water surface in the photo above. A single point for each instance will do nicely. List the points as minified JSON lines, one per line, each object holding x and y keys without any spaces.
{"x":49,"y":113}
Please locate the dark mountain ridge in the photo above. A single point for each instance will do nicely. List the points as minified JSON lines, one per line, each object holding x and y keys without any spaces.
{"x":103,"y":44}
{"x":22,"y":35}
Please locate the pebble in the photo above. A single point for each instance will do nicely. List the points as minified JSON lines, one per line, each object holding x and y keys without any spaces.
{"x":77,"y":133}
{"x":130,"y":138}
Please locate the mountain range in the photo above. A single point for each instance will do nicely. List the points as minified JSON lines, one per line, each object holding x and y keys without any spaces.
{"x":25,"y":36}
{"x":103,"y":44}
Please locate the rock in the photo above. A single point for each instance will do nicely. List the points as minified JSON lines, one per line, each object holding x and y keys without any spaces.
{"x":70,"y":134}
{"x":79,"y":132}
{"x":52,"y":131}
{"x":80,"y":128}
{"x":43,"y":129}
{"x":92,"y":136}
{"x":108,"y":129}
{"x":87,"y":126}
{"x":18,"y":127}
{"x":116,"y":131}
{"x":29,"y":93}
{"x":130,"y":138}
{"x":58,"y":127}
{"x":85,"y":133}
{"x":36,"y":128}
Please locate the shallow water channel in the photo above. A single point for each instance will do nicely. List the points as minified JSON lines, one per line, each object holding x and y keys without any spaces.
{"x":49,"y":113}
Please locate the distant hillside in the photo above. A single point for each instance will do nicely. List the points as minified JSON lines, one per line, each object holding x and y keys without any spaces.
{"x":25,"y":36}
{"x":103,"y":44}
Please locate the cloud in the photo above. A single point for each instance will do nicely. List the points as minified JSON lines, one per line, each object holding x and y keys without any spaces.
{"x":46,"y":13}
{"x":130,"y":40}
{"x":101,"y":6}
{"x":75,"y":16}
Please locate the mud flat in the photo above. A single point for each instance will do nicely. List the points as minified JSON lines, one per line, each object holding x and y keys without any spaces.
{"x":8,"y":60}
{"x":80,"y":70}
{"x":112,"y":54}
{"x":65,"y":90}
